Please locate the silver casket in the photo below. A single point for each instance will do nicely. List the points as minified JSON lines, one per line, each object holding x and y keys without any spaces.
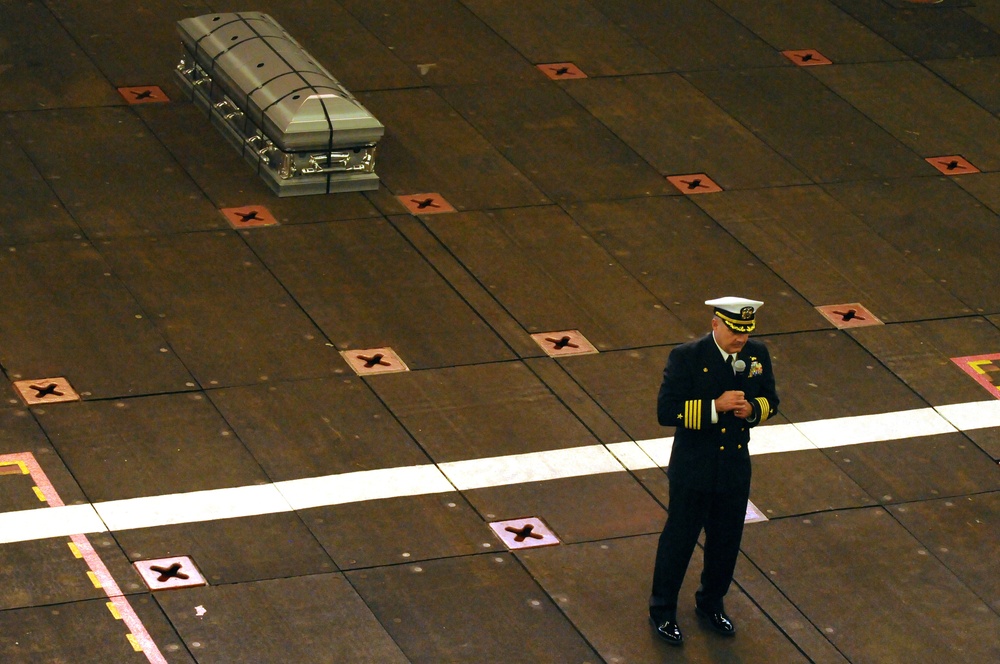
{"x":289,"y":117}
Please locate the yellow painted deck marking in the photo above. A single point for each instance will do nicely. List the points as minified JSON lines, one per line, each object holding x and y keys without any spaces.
{"x":75,"y":549}
{"x":93,"y":579}
{"x":114,"y":610}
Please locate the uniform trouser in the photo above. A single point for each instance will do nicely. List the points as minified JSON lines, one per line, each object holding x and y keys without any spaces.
{"x":721,"y":514}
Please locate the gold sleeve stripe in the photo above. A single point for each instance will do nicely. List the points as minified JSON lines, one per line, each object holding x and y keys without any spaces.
{"x":765,"y":408}
{"x":692,"y":414}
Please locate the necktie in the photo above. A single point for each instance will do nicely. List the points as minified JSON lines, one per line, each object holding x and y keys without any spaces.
{"x":731,"y":359}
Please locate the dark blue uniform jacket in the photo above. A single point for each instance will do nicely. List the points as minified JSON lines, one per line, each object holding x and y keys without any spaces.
{"x":707,"y":456}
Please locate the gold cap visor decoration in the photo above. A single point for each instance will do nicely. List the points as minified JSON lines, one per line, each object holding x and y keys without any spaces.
{"x":738,"y":313}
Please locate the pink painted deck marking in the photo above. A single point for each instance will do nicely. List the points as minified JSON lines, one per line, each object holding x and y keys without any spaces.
{"x":93,"y":560}
{"x":979,"y":367}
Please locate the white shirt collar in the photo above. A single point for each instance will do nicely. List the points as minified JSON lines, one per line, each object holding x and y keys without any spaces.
{"x":725,"y":355}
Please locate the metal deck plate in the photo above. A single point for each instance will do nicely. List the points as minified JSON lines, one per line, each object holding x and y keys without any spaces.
{"x":429,"y":147}
{"x":30,"y":209}
{"x":338,"y":274}
{"x":148,"y":446}
{"x":90,"y":330}
{"x":956,"y":34}
{"x":652,"y":238}
{"x":450,"y":610}
{"x":103,"y":31}
{"x":842,"y":588}
{"x":466,"y":285}
{"x":624,"y":384}
{"x":550,"y":276}
{"x":788,"y":24}
{"x":578,"y":509}
{"x":984,"y":188}
{"x":400,"y":530}
{"x":20,"y":433}
{"x":637,"y":109}
{"x":948,"y":241}
{"x":43,"y":67}
{"x":609,"y":608}
{"x":570,"y":392}
{"x":577,"y":31}
{"x":818,"y":132}
{"x":39,"y":633}
{"x":270,"y":546}
{"x":111,"y":196}
{"x":48,"y":572}
{"x":802,"y":482}
{"x":568,"y":154}
{"x":960,"y":533}
{"x":830,"y":255}
{"x":921,"y":355}
{"x":316,"y":427}
{"x":919,"y":109}
{"x":238,"y":325}
{"x":480,"y":411}
{"x":824,"y":375}
{"x":445,"y":44}
{"x":976,"y":78}
{"x":918,"y":469}
{"x":322,"y":613}
{"x":712,"y":38}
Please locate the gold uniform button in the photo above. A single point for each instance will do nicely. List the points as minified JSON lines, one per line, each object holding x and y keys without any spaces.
{"x":739,"y":447}
{"x":722,"y":449}
{"x":723,"y":429}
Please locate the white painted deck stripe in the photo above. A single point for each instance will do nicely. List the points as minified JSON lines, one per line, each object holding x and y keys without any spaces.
{"x":970,"y":416}
{"x":406,"y":481}
{"x":533,"y":467}
{"x":364,"y":485}
{"x":174,"y":508}
{"x":48,"y":522}
{"x":843,"y":431}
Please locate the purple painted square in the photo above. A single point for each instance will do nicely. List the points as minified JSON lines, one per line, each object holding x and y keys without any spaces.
{"x":524,"y":533}
{"x":169,"y":573}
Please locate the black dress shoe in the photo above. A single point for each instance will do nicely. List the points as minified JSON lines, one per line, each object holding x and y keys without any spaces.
{"x":668,"y":630}
{"x":717,"y":620}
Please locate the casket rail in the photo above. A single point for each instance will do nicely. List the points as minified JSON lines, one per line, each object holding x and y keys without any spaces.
{"x":301,"y":130}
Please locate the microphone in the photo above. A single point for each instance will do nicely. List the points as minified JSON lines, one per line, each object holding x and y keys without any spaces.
{"x":739,"y":366}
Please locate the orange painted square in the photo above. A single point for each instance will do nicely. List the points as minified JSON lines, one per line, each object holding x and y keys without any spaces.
{"x":425,"y":204}
{"x":566,"y":342}
{"x":45,"y":390}
{"x":558,"y":71}
{"x":249,"y":216}
{"x":952,"y":165}
{"x":696,"y":183}
{"x":848,"y":315}
{"x":374,"y":361}
{"x":145,"y":94}
{"x":807,"y":58}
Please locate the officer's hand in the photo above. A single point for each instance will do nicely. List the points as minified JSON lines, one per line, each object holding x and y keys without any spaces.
{"x":732,"y":400}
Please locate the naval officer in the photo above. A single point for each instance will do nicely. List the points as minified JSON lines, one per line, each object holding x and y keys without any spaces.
{"x":715,"y":389}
